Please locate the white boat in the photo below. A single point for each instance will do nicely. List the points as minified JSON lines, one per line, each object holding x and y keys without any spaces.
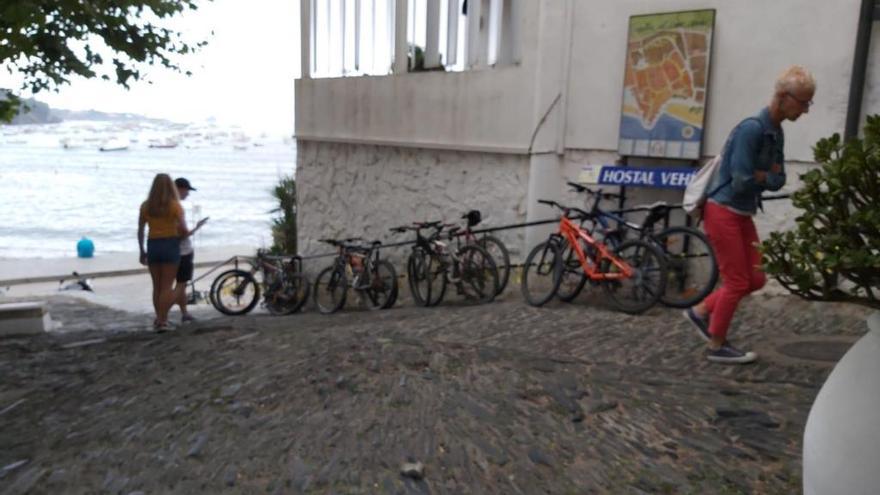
{"x":114,"y":145}
{"x":164,"y":144}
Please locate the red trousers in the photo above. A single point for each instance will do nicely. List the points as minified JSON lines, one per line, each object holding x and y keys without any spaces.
{"x":735,"y":241}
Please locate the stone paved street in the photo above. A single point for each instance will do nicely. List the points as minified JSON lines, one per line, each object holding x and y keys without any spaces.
{"x":503,"y":398}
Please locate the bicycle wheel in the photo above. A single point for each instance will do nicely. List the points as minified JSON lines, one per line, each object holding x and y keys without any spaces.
{"x":541,"y":273}
{"x":501,"y":256}
{"x":478,"y":274}
{"x":641,"y":291}
{"x":427,"y":278}
{"x":288,"y":295}
{"x":381,"y":285}
{"x":235,"y":292}
{"x":573,"y":278}
{"x":393,"y":300}
{"x":330,"y":290}
{"x":692,"y":270}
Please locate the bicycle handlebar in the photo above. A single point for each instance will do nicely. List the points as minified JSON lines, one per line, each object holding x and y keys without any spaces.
{"x":567,"y":210}
{"x":437,"y":224}
{"x":604,"y":195}
{"x":346,"y":243}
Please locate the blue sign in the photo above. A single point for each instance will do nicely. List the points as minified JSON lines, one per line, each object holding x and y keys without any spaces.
{"x":663,"y":178}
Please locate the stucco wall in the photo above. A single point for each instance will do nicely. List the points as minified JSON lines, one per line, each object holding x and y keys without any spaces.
{"x":348,"y":190}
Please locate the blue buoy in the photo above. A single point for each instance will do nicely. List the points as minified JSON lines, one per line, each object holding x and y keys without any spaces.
{"x":85,"y":248}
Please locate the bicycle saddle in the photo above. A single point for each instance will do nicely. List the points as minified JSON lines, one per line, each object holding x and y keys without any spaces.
{"x":473,"y":217}
{"x":656,"y":211}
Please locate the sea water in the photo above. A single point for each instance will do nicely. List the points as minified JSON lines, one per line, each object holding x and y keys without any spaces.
{"x":51,"y":196}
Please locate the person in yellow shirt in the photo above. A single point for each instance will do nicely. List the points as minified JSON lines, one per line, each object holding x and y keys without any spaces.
{"x":163,"y":216}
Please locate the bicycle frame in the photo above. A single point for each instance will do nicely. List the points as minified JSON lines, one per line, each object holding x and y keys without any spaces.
{"x":356,"y":261}
{"x":432,"y":246}
{"x":645,"y":230}
{"x":573,"y":233}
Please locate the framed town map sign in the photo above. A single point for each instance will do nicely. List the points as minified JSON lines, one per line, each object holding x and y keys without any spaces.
{"x":665,"y":84}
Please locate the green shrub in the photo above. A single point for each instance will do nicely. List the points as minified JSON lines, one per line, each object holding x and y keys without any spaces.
{"x":284,"y":224}
{"x":834,"y":252}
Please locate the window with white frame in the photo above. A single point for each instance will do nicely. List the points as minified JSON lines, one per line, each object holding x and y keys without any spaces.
{"x":356,"y":37}
{"x":351,"y":37}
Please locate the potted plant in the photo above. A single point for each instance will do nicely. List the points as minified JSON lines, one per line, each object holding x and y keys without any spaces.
{"x":833,"y":254}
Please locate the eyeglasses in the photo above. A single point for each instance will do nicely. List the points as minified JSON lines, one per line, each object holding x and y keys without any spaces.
{"x":807,"y":103}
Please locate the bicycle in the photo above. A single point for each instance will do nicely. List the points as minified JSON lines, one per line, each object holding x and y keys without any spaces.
{"x":357,"y":266}
{"x":491,"y":244}
{"x":432,"y":265}
{"x":633,"y":274}
{"x":285,"y":287}
{"x":690,"y":260}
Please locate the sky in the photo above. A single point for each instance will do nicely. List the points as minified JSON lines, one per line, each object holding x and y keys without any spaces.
{"x":244,"y":76}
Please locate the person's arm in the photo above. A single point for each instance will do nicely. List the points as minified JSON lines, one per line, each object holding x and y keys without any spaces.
{"x":182,"y":230}
{"x":141,"y":223}
{"x":197,"y":227}
{"x":776,"y":177}
{"x":744,"y":151}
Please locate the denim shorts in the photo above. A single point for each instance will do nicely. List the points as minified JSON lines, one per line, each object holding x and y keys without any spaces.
{"x":185,"y":268}
{"x":165,"y":250}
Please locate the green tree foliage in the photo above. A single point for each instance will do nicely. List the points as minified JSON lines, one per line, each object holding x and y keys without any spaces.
{"x":49,"y":41}
{"x":284,"y":225}
{"x":834,"y":252}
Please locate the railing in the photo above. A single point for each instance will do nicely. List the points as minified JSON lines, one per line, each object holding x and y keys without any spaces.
{"x":634,"y":209}
{"x":235,"y":260}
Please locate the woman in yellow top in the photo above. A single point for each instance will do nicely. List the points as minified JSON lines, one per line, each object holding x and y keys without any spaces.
{"x":164,"y":216}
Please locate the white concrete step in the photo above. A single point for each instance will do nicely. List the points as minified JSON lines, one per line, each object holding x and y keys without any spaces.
{"x":24,"y":318}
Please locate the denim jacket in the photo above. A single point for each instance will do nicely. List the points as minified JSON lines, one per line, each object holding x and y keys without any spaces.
{"x":754,"y":144}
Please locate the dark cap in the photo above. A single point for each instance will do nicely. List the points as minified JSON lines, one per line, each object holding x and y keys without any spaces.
{"x":183,"y":183}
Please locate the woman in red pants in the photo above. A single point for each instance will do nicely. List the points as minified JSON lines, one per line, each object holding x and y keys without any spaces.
{"x":752,"y":162}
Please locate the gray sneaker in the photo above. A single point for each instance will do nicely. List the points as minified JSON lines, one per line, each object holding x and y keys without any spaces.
{"x":701,"y":325}
{"x":727,"y":354}
{"x":187,"y":318}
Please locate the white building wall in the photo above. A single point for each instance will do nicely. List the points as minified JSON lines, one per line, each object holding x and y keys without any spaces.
{"x":489,"y":109}
{"x":509,"y":124}
{"x":753,"y":41}
{"x":872,"y":80}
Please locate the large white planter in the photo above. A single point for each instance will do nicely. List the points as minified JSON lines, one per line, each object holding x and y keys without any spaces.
{"x":842,"y":436}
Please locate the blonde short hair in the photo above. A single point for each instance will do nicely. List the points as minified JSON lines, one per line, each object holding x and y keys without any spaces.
{"x":795,"y":76}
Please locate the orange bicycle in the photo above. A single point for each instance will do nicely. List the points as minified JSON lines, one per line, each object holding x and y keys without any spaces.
{"x":633,"y":274}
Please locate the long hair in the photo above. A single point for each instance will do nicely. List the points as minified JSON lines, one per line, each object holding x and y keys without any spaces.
{"x":162,"y":193}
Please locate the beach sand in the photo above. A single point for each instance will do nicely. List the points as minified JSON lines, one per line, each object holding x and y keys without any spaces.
{"x":132,"y":293}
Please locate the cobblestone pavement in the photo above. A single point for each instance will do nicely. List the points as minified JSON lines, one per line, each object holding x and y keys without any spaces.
{"x":502,"y":398}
